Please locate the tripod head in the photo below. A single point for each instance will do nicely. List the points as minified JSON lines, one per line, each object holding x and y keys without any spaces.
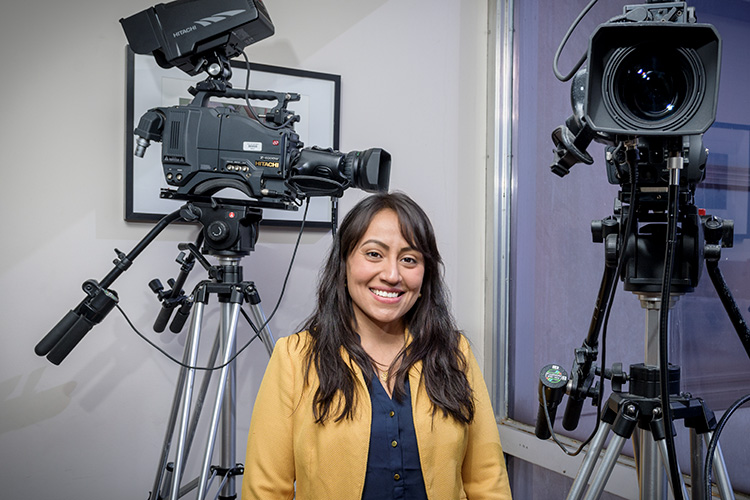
{"x":229,"y":229}
{"x":636,"y":240}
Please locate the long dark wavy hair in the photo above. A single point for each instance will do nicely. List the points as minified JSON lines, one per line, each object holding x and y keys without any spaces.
{"x":435,"y":337}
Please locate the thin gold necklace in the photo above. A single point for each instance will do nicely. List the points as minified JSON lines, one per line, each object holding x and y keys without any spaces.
{"x":383,"y":374}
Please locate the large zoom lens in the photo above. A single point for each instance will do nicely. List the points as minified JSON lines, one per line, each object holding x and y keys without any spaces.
{"x":325,"y":172}
{"x":652,"y":78}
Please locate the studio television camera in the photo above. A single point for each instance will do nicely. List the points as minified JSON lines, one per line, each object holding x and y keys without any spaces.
{"x":648,"y":93}
{"x":207,"y":149}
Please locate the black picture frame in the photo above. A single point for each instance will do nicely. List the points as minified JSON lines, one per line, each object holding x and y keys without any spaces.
{"x":149,"y":86}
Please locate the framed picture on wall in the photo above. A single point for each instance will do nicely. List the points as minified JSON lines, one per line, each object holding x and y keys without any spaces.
{"x":150,"y":86}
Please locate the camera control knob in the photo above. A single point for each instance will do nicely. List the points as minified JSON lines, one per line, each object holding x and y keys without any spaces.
{"x":217,"y":231}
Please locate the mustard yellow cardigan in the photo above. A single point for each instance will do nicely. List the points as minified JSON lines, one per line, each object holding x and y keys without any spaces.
{"x":288,"y":453}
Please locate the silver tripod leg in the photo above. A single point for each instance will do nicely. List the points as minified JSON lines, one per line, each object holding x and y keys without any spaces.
{"x":162,"y":480}
{"x":662,"y":445}
{"x":192,"y":358}
{"x":651,"y":474}
{"x":232,"y":294}
{"x":696,"y":466}
{"x":229,"y":315}
{"x":605,"y":468}
{"x":228,"y":426}
{"x":589,"y":461}
{"x":720,"y":471}
{"x":198,"y":405}
{"x":265,"y":334}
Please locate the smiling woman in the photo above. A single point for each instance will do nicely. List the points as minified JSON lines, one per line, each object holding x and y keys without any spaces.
{"x":384,"y":277}
{"x":380,"y":397}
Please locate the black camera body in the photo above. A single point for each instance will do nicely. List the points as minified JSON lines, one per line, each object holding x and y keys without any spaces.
{"x":208,"y":147}
{"x":204,"y":142}
{"x":205,"y":149}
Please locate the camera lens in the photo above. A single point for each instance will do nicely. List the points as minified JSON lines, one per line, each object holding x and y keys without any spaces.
{"x":325,"y":172}
{"x":650,"y":78}
{"x":653,"y":85}
{"x":649,"y":88}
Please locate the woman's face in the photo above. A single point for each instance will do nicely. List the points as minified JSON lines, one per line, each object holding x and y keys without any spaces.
{"x":383,"y":275}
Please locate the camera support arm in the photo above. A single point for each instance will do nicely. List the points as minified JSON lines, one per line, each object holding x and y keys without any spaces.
{"x":719,"y":233}
{"x":100,"y":300}
{"x":580,"y":384}
{"x":582,"y":376}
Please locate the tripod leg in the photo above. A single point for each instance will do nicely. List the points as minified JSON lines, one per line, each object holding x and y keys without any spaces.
{"x":662,"y":445}
{"x":697,"y":479}
{"x":589,"y":461}
{"x":201,"y":398}
{"x":192,"y":358}
{"x":160,"y":476}
{"x":636,"y":441}
{"x":623,"y":426}
{"x":605,"y":469}
{"x":230,"y":312}
{"x":720,"y":471}
{"x":163,"y":480}
{"x":197,"y":410}
{"x":228,"y":423}
{"x":260,"y":319}
{"x":651,"y":475}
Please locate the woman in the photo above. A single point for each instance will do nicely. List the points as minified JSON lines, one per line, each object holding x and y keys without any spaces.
{"x":380,"y":396}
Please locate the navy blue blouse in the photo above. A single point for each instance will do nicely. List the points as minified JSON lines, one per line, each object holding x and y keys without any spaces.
{"x":393,"y":467}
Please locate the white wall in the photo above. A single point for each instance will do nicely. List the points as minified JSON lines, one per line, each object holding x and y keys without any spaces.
{"x":413,"y":81}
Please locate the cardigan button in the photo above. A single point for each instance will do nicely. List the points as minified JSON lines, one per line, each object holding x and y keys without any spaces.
{"x":394,"y":443}
{"x":397,"y":476}
{"x":391,"y":413}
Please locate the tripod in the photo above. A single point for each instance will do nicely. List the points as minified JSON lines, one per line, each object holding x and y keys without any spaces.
{"x":229,"y":237}
{"x":229,"y":232}
{"x":638,"y":414}
{"x":232,"y":292}
{"x":632,"y":253}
